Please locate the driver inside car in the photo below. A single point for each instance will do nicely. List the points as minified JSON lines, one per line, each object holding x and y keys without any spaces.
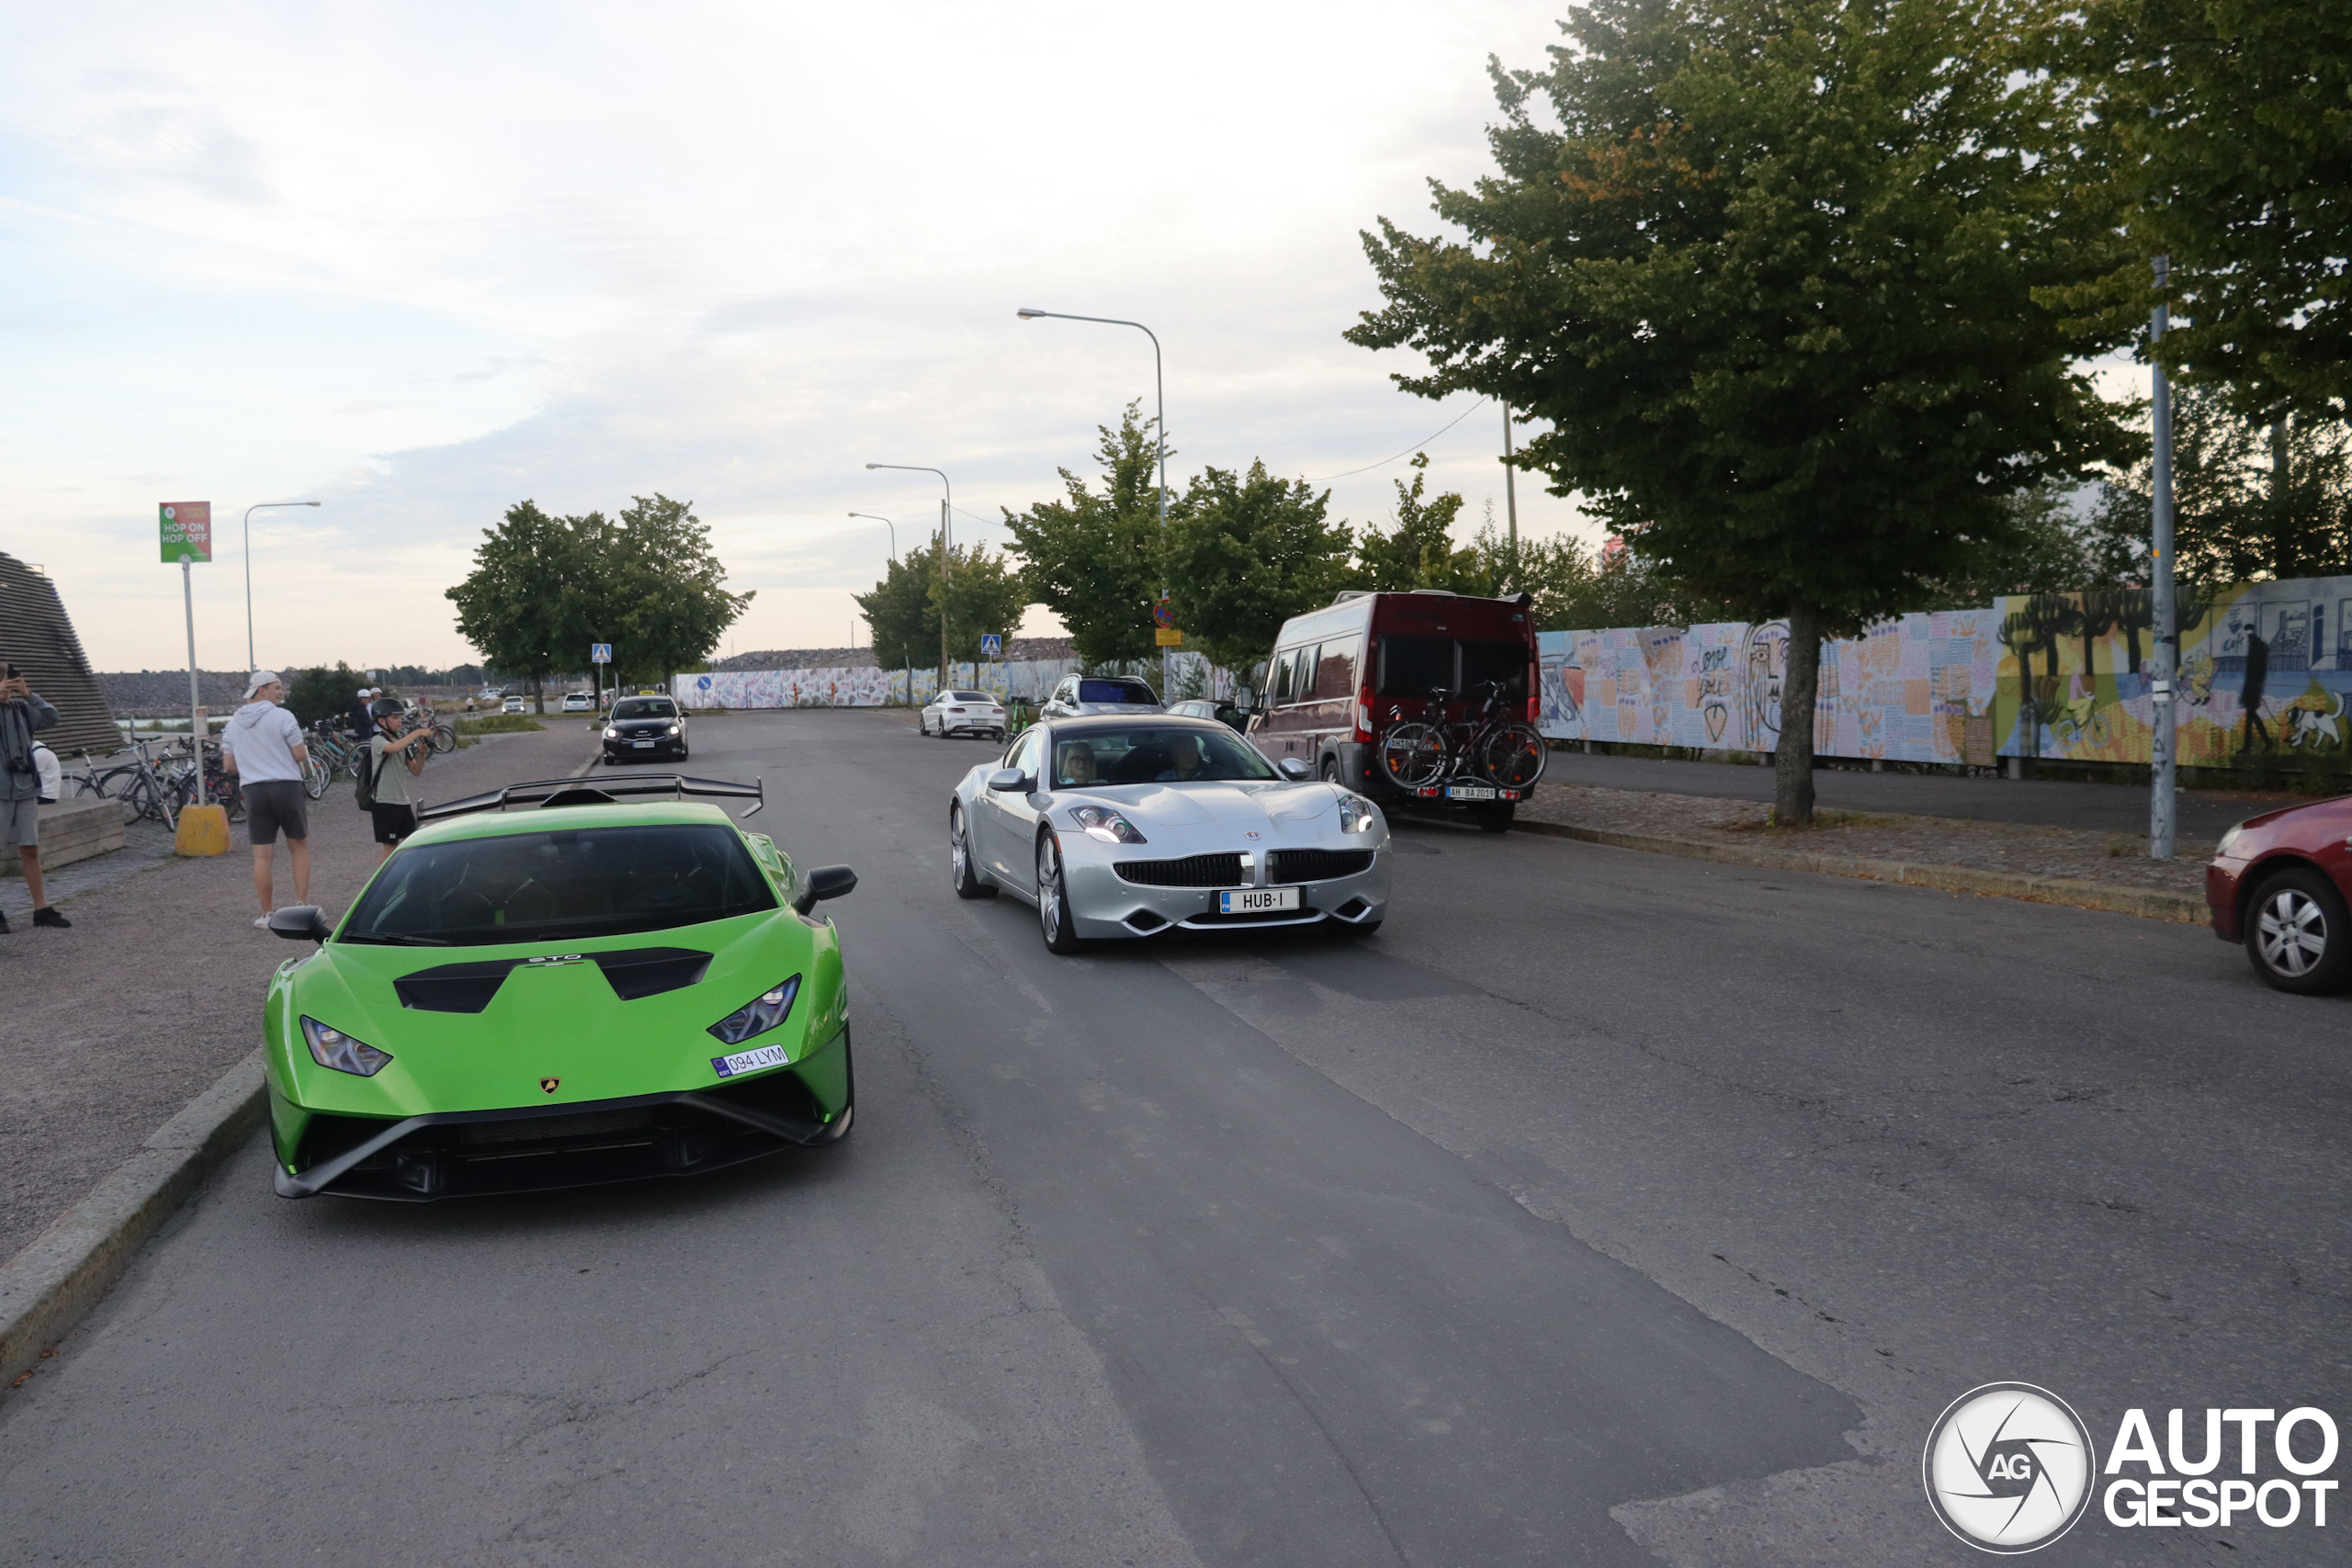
{"x":1185,"y":761}
{"x":1077,"y":764}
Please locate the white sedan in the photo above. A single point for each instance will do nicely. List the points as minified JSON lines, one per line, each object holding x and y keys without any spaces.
{"x":963,"y":713}
{"x":1133,"y":826}
{"x":513,"y":704}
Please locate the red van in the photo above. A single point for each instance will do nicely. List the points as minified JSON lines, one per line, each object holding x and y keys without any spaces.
{"x":1343,"y":676}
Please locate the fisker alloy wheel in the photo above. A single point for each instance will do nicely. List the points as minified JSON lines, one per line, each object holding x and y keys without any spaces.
{"x":1053,"y":909}
{"x":967,"y":878}
{"x":2297,"y":933}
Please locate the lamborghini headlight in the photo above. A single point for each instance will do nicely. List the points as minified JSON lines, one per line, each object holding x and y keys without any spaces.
{"x":334,"y":1049}
{"x":1357,"y":815}
{"x":759,"y":1015}
{"x":1102,"y":822}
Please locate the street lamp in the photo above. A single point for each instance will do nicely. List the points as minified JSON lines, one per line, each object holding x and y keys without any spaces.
{"x":871,"y":517}
{"x":1159,"y":388}
{"x":946,"y":543}
{"x":258,"y":506}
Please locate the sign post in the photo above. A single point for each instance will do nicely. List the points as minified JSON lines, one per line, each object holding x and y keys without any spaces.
{"x":186,"y":531}
{"x":600,"y":654}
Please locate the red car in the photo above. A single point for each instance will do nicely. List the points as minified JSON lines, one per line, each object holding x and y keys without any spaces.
{"x":2280,"y":884}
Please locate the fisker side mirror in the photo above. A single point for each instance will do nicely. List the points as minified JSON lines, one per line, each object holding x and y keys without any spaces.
{"x":823,"y":882}
{"x":1295,"y":768}
{"x":1010,"y":780}
{"x":300,"y":922}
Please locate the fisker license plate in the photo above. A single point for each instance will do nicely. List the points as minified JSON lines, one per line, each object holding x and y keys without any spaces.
{"x":648,"y":746}
{"x":1257,"y":900}
{"x":1469,"y":792}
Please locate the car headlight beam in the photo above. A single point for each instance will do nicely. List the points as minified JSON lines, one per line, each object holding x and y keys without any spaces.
{"x":1102,"y":822}
{"x":333,"y":1049}
{"x":759,"y":1015}
{"x":1357,"y":815}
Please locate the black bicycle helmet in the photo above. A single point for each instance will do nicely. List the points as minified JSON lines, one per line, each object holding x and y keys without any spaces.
{"x":385,"y":707}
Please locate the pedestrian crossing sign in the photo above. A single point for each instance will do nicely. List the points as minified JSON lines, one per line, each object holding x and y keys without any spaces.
{"x":991,"y":646}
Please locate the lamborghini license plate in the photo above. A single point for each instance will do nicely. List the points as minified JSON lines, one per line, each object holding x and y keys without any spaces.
{"x":1257,"y":900}
{"x":749,"y":1061}
{"x":1469,"y":792}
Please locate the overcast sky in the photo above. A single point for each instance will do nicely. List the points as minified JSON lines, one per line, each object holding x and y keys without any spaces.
{"x":420,"y":260}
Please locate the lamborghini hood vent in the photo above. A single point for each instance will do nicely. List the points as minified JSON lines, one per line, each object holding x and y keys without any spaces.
{"x":468,"y":987}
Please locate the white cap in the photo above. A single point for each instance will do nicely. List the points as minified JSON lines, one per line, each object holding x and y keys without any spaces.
{"x":259,"y":679}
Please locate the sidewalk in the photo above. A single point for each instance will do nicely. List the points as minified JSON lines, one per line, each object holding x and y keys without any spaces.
{"x":2008,"y":849}
{"x":2096,"y":807}
{"x":115,"y":1025}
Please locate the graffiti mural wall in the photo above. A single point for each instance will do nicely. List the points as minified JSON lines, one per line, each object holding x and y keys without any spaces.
{"x":2266,"y":674}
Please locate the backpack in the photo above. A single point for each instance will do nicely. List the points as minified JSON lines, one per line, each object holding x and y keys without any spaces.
{"x":363,"y":788}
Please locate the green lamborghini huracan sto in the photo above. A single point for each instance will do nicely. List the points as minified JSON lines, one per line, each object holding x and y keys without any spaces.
{"x":559,"y":983}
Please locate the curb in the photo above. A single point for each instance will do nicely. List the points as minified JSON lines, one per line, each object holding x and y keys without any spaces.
{"x":63,"y":1273}
{"x":2149,"y":903}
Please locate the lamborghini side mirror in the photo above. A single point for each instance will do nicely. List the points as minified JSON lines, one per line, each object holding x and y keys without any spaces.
{"x":300,"y":922}
{"x":823,"y":882}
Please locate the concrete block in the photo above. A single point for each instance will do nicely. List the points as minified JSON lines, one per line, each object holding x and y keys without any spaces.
{"x":73,"y":831}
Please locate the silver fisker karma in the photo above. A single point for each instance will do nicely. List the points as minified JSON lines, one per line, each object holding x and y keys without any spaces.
{"x":1137,"y":825}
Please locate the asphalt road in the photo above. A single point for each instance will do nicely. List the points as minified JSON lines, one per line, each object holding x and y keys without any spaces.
{"x":1604,"y":1208}
{"x":2052,"y":803}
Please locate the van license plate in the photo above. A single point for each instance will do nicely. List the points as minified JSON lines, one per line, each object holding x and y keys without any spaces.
{"x":1257,"y":900}
{"x":1469,"y":792}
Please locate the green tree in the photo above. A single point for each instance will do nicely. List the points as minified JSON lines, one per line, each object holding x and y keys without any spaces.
{"x":1093,"y":560}
{"x":901,"y":611}
{"x":1419,"y":552}
{"x":1776,"y":285}
{"x":1244,"y":553}
{"x":655,"y":590}
{"x":984,"y":594}
{"x":1577,"y":589}
{"x":318,"y":693}
{"x":2232,"y":121}
{"x":521,"y":606}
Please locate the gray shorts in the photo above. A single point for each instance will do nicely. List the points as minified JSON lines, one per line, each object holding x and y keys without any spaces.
{"x":20,"y":821}
{"x":277,"y":804}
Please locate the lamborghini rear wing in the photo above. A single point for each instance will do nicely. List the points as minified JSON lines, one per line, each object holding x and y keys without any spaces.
{"x":603,"y":790}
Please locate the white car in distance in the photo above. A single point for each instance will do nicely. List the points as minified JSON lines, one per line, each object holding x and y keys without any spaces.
{"x":963,"y":713}
{"x":513,"y":704}
{"x":579,"y":702}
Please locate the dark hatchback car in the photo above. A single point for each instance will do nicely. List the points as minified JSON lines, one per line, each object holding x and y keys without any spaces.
{"x":2281,"y":883}
{"x":645,"y":728}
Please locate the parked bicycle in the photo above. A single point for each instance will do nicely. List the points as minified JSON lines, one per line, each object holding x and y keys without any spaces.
{"x":1489,"y":746}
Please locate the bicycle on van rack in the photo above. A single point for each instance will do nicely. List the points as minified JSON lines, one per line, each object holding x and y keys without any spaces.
{"x":1489,"y":746}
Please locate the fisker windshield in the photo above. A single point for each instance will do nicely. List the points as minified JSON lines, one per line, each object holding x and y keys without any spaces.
{"x":575,"y":882}
{"x":1154,"y":755}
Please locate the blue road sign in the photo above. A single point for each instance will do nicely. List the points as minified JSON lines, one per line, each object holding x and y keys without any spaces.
{"x":600,"y":652}
{"x":991,"y":646}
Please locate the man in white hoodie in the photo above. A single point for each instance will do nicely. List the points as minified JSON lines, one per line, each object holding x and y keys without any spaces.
{"x":263,"y":747}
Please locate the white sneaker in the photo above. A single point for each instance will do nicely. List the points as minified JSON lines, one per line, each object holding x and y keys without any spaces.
{"x":261,"y":922}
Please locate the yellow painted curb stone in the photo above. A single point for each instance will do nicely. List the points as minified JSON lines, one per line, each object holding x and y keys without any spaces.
{"x":203,"y":830}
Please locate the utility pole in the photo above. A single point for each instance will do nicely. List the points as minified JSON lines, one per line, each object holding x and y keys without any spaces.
{"x":2166,"y":652}
{"x":1510,"y":499}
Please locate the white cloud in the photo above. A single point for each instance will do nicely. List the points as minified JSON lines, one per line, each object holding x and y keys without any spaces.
{"x":422,"y":261}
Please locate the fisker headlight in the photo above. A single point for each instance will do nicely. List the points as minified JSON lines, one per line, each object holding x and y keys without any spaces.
{"x":334,"y":1049}
{"x":759,"y":1015}
{"x":1102,"y":822}
{"x":1357,"y":815}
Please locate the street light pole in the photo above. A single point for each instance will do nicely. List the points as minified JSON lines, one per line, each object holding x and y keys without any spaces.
{"x":258,"y":506}
{"x":2161,"y":741}
{"x":946,"y":543}
{"x":1160,"y":391}
{"x":871,"y":517}
{"x":1510,"y":499}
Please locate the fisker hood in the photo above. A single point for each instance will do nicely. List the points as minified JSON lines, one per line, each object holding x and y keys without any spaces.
{"x":1247,"y":804}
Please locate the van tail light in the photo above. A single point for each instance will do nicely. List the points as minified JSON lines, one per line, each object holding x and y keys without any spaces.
{"x":1534,"y":694}
{"x":1364,"y":714}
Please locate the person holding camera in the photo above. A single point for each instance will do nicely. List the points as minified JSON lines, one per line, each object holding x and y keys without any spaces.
{"x":392,"y":807}
{"x":24,"y":715}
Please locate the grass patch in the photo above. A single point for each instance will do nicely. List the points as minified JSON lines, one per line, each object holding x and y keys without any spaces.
{"x":499,"y":724}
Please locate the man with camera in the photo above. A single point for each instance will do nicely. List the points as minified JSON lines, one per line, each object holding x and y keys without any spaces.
{"x":23,"y":715}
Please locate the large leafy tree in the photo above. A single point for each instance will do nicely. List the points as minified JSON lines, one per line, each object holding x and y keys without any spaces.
{"x":984,"y":592}
{"x":1420,"y":552}
{"x":1776,"y":285}
{"x":1093,"y":557}
{"x":1244,"y":553}
{"x":2234,"y":119}
{"x":521,"y":604}
{"x":901,"y":612}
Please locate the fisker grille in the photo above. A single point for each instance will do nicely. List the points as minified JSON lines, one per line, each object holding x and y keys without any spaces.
{"x":1317,"y":865}
{"x":1192,"y":871}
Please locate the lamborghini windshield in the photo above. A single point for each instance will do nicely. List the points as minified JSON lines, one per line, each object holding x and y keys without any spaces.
{"x":579,"y":882}
{"x":1154,"y":754}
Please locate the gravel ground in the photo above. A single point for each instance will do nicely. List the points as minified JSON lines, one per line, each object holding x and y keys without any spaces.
{"x":113,"y":1026}
{"x":1938,"y":841}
